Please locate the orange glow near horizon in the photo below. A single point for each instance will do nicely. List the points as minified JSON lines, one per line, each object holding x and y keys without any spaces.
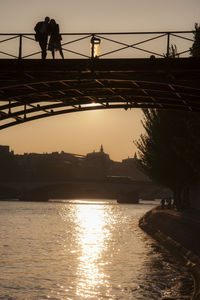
{"x":79,"y":133}
{"x":83,"y":132}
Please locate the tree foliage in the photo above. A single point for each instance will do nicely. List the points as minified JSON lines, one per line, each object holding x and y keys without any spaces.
{"x":195,"y":49}
{"x":169,"y":151}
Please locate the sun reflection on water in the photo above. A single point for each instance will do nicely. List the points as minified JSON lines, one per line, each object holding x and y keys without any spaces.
{"x":92,"y":234}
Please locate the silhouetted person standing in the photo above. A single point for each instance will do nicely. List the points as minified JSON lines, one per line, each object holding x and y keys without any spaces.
{"x":55,"y":39}
{"x":162,"y":203}
{"x":41,"y":36}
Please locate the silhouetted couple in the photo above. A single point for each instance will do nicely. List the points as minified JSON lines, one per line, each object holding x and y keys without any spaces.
{"x":43,"y":30}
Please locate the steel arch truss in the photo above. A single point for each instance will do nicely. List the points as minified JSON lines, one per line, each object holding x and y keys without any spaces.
{"x":31,"y":90}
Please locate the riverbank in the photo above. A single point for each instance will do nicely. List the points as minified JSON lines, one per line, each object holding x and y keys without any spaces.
{"x":179,"y":233}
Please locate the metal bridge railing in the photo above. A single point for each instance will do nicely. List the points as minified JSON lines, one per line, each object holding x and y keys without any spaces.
{"x":102,"y":45}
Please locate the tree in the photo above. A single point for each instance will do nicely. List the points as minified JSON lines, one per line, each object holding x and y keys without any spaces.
{"x":169,"y":152}
{"x":195,"y":49}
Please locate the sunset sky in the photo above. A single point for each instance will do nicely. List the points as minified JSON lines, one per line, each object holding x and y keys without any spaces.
{"x":84,"y":132}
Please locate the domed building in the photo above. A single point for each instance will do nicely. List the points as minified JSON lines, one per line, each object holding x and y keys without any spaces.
{"x":96,"y":164}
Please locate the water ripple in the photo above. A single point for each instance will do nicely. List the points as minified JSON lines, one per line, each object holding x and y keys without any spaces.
{"x":80,"y":251}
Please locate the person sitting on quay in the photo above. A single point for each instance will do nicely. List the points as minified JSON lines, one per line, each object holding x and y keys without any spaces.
{"x":169,"y":203}
{"x":162,"y":203}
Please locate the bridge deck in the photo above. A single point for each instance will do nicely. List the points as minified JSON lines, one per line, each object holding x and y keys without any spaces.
{"x":33,"y":89}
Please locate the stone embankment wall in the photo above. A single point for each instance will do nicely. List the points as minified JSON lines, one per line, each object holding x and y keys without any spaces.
{"x":178,"y":233}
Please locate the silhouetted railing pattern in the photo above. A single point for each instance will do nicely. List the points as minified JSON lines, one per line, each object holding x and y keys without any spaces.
{"x":113,"y":45}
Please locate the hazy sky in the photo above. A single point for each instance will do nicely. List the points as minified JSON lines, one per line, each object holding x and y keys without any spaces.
{"x":84,"y":132}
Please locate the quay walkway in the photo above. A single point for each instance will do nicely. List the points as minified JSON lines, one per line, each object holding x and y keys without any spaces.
{"x":179,"y":233}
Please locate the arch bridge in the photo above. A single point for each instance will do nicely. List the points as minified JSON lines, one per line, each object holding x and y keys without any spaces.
{"x":154,"y":76}
{"x":122,"y":190}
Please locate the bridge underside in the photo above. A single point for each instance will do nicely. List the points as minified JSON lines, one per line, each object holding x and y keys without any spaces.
{"x":34,"y":89}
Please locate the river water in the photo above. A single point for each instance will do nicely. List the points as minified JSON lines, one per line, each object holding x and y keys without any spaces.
{"x":82,"y":250}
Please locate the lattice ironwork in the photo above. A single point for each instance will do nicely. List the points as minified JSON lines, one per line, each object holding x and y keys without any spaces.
{"x":77,"y":45}
{"x":35,"y":89}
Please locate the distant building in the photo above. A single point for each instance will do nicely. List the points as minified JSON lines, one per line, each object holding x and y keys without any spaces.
{"x":129,"y":167}
{"x":95,"y":156}
{"x":5,"y":151}
{"x":49,"y":166}
{"x":7,"y":163}
{"x":96,"y":164}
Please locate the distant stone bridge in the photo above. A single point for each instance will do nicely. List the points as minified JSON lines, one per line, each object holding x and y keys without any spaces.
{"x":127,"y":191}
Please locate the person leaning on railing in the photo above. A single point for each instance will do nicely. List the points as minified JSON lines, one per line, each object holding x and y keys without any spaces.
{"x":42,"y":30}
{"x":55,"y":39}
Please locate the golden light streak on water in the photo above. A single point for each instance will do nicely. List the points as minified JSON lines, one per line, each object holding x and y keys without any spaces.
{"x":91,"y":238}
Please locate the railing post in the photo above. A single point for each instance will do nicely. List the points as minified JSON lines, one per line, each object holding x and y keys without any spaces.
{"x":168,"y":44}
{"x":20,"y":46}
{"x":92,"y":46}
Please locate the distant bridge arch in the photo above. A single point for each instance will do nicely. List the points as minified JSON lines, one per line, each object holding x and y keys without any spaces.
{"x":43,"y":191}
